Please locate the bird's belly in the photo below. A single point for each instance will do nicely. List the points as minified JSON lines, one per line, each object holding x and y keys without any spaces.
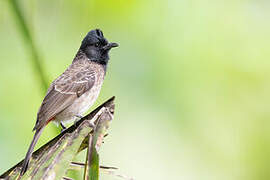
{"x":80,"y":106}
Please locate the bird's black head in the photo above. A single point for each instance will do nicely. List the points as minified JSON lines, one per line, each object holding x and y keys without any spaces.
{"x":96,"y":47}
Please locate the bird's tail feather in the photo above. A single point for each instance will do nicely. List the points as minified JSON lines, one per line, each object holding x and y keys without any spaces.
{"x":30,"y":150}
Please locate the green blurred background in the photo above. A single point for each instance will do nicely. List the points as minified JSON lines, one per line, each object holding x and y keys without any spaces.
{"x":191,"y":80}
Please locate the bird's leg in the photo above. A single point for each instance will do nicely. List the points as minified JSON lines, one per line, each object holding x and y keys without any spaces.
{"x":63,"y":127}
{"x":79,"y":116}
{"x":92,"y":125}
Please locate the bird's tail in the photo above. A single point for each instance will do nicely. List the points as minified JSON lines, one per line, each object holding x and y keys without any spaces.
{"x":30,"y":150}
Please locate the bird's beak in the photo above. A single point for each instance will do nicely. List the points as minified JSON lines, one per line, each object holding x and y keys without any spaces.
{"x":110,"y":45}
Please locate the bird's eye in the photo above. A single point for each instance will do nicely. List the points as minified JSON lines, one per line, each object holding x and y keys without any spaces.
{"x":96,"y":44}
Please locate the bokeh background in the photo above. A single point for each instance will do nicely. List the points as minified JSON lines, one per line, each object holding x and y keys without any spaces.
{"x":191,"y":80}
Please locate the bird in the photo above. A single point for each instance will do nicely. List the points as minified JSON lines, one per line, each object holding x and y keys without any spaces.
{"x":72,"y":93}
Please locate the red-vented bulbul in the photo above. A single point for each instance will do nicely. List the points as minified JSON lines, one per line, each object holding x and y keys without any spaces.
{"x":74,"y":91}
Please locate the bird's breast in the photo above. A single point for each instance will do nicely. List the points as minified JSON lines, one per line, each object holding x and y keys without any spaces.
{"x":82,"y":103}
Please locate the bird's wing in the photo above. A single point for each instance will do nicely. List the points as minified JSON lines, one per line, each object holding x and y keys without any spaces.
{"x":74,"y":82}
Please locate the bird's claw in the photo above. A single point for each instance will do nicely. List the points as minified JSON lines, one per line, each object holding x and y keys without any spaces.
{"x":91,"y":123}
{"x":79,"y":116}
{"x":63,"y":127}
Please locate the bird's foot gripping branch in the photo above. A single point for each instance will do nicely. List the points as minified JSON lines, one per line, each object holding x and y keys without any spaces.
{"x":52,"y":160}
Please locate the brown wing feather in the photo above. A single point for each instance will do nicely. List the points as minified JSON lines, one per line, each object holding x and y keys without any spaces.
{"x":75,"y":81}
